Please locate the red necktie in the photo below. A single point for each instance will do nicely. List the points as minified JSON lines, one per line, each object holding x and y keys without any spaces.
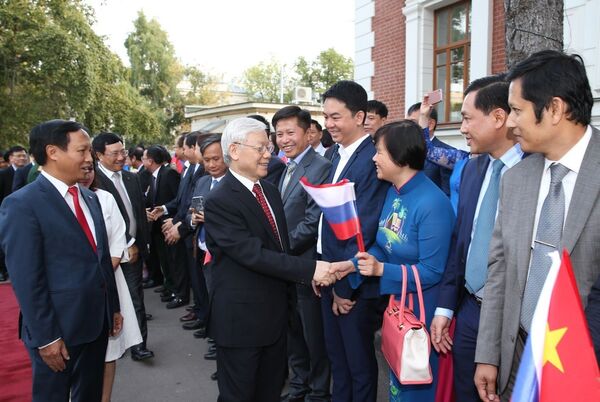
{"x":257,"y":190}
{"x":81,"y":217}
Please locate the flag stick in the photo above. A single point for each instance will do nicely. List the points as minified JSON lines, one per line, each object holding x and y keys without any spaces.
{"x":360,"y":241}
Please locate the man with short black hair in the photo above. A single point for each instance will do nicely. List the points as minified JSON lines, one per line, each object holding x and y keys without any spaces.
{"x":315,"y":133}
{"x":377,"y":113}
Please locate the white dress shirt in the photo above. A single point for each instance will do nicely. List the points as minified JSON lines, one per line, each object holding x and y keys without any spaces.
{"x":111,"y":175}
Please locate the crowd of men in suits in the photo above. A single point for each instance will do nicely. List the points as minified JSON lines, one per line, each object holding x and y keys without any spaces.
{"x":236,"y":233}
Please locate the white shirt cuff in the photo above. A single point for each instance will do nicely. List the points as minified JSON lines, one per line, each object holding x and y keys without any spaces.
{"x":166,"y":211}
{"x":45,"y":346}
{"x":444,"y":312}
{"x":131,"y":242}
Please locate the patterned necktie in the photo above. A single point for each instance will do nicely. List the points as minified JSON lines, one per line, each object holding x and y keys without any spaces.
{"x":288,"y":175}
{"x":547,"y":240}
{"x":260,"y":197}
{"x":477,"y":260}
{"x":81,"y":217}
{"x":128,"y":208}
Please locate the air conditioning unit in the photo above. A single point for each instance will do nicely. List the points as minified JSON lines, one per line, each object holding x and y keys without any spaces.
{"x":302,"y":94}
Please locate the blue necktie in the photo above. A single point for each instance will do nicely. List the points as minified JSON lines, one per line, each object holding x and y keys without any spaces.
{"x":477,"y":260}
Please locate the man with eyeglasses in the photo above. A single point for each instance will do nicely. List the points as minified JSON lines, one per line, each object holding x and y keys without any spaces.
{"x":125,"y":187}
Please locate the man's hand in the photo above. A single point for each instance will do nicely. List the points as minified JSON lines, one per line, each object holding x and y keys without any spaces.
{"x":341,"y":306}
{"x":134,"y":253}
{"x":172,"y":235}
{"x":149,"y":216}
{"x":322,"y":277}
{"x":197,"y":217}
{"x":316,"y":288}
{"x":440,"y":336}
{"x":341,"y":269}
{"x":117,"y":324}
{"x":425,"y":112}
{"x":54,"y":355}
{"x":368,"y":265}
{"x":157,"y":212}
{"x":167,"y":224}
{"x":485,"y":382}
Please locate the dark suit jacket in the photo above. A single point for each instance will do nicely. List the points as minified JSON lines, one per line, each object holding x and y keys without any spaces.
{"x":301,"y":212}
{"x":64,"y":288}
{"x":20,"y":178}
{"x":452,"y":285}
{"x":201,"y":188}
{"x":179,"y":207}
{"x":370,"y":195}
{"x":134,"y":191}
{"x":6,"y":182}
{"x":592,"y":313}
{"x":274,"y":170}
{"x":250,"y":273}
{"x":436,"y":173}
{"x":167,"y":184}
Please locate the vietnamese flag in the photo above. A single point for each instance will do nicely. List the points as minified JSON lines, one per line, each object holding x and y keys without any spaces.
{"x":558,"y":362}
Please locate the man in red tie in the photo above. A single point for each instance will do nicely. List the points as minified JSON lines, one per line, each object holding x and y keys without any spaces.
{"x":57,"y":254}
{"x":247,"y":236}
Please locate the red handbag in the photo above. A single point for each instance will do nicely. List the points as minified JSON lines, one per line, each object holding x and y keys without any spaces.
{"x":404,"y":338}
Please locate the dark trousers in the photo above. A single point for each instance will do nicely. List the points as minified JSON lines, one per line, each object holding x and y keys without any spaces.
{"x":81,"y":380}
{"x":198,"y":284}
{"x":153,"y":266}
{"x":519,"y":347}
{"x":134,"y":277}
{"x":178,"y":263}
{"x":307,"y":356}
{"x":349,"y":342}
{"x":251,"y":374}
{"x":160,"y":249}
{"x":463,"y":351}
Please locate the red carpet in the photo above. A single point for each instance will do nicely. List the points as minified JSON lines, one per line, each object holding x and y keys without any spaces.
{"x":15,"y":366}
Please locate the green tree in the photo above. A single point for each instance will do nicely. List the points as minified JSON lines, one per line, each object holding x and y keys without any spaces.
{"x":328,"y":68}
{"x":201,"y":87}
{"x":53,"y":65}
{"x":263,"y":83}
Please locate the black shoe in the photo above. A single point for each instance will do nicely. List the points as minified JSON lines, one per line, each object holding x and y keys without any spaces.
{"x":139,"y":353}
{"x":213,"y":376}
{"x":291,"y":398}
{"x":167,"y":298}
{"x":3,"y":277}
{"x":211,"y":354}
{"x":176,"y":302}
{"x":149,"y":317}
{"x":201,"y":333}
{"x":196,"y":324}
{"x":190,"y":308}
{"x":191,"y":316}
{"x":159,"y":289}
{"x":149,"y":284}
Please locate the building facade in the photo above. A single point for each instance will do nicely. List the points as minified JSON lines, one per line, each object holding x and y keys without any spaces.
{"x":406,"y":48}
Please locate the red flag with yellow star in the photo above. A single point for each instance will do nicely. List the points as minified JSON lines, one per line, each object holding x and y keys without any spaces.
{"x":558,"y":362}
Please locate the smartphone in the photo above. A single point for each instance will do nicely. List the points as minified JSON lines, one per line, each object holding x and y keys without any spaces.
{"x":197,"y":203}
{"x":435,"y":97}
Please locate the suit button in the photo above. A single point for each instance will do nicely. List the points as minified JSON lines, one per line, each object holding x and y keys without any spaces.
{"x":512,"y":339}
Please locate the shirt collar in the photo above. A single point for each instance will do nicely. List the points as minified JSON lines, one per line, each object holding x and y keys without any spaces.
{"x":155,"y":173}
{"x":349,"y":150}
{"x":510,"y":157}
{"x":60,"y":185}
{"x":298,"y":158}
{"x":108,"y":173}
{"x":574,"y":157}
{"x":249,"y":184}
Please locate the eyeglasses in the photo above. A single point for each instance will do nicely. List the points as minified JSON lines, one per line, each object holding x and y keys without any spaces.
{"x":261,"y":149}
{"x":116,"y":154}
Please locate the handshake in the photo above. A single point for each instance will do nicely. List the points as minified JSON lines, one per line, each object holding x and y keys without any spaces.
{"x":326,"y":273}
{"x":153,"y":214}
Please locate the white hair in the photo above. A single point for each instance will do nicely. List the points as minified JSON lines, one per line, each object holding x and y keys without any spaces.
{"x":237,"y":131}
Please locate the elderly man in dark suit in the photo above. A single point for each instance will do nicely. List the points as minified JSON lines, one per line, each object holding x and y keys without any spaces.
{"x":59,"y":261}
{"x":485,"y":111}
{"x":247,"y":237}
{"x":307,"y":357}
{"x":548,"y":202}
{"x":126,"y":189}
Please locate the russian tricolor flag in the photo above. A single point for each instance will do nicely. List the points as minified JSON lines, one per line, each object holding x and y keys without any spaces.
{"x":558,"y":362}
{"x":338,"y":203}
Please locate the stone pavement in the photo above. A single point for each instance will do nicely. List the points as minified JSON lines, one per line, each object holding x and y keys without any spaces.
{"x":178,"y":371}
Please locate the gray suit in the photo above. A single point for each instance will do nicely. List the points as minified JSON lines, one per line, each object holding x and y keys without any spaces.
{"x":510,"y":251}
{"x":306,"y":346}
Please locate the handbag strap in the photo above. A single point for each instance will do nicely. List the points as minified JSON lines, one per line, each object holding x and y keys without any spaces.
{"x":420,"y":294}
{"x":403,"y":296}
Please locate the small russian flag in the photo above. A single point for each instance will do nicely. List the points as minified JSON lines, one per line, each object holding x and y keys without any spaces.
{"x":338,"y":203}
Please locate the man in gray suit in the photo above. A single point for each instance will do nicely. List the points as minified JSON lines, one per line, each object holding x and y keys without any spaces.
{"x":547,"y":203}
{"x":307,"y":356}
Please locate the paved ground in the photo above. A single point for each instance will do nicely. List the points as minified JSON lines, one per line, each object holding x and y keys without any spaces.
{"x":178,"y":372}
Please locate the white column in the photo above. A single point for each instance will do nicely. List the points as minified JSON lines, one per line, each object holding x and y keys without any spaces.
{"x":364,"y":40}
{"x":482,"y":17}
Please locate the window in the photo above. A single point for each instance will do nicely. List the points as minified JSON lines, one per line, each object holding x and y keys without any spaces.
{"x":451,"y":58}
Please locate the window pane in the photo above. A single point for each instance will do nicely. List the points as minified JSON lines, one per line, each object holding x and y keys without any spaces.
{"x":457,"y":55}
{"x":459,"y":23}
{"x":440,"y":59}
{"x":441,"y":83}
{"x":442,"y":28}
{"x":456,"y":90}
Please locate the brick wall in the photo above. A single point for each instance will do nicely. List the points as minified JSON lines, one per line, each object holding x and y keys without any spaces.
{"x":388,"y":56}
{"x":498,"y":42}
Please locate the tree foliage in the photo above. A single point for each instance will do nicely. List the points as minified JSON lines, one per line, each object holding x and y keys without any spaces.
{"x":52,"y":65}
{"x":328,"y":68}
{"x":263,"y":81}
